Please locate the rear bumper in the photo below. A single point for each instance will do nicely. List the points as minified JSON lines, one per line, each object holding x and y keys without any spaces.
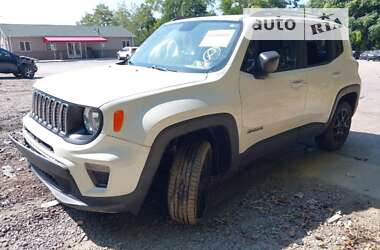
{"x":61,"y":183}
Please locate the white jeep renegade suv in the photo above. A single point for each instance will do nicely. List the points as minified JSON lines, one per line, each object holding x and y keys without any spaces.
{"x":189,"y":106}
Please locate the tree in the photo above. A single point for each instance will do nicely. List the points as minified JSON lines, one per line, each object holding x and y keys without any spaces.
{"x":122,"y":17}
{"x":364,"y":20}
{"x":142,"y":22}
{"x":101,"y":16}
{"x":139,"y":19}
{"x":233,"y":7}
{"x":171,"y":9}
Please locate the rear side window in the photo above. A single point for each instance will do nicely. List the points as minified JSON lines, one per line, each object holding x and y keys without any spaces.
{"x":287,"y":49}
{"x":322,"y":51}
{"x":317,"y":52}
{"x":338,"y":45}
{"x":4,"y":53}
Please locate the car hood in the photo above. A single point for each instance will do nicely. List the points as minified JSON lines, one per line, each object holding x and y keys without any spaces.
{"x":28,"y":58}
{"x":99,"y":85}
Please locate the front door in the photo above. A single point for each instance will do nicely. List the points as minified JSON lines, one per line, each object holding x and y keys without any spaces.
{"x":74,"y":50}
{"x":274,"y":103}
{"x":8,"y":62}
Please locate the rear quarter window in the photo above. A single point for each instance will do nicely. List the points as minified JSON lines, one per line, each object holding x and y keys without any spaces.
{"x":338,"y":48}
{"x":322,"y":51}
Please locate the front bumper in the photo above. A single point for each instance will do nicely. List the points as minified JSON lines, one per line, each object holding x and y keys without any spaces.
{"x":122,"y":56}
{"x":35,"y":68}
{"x":62,"y":167}
{"x":63,"y":187}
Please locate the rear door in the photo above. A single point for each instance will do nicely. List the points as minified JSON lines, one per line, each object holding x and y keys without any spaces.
{"x":325,"y":71}
{"x":274,"y":104}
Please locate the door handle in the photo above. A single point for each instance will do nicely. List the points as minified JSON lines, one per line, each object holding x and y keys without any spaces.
{"x":335,"y":74}
{"x":297,"y":82}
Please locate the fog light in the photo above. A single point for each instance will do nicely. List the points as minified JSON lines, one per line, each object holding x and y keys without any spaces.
{"x":99,"y":174}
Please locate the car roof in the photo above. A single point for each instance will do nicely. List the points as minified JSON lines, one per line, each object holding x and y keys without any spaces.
{"x":236,"y":18}
{"x":211,"y":18}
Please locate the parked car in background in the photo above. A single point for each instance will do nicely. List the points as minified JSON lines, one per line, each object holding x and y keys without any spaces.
{"x":374,"y":55}
{"x":364,"y":55}
{"x":126,"y":53}
{"x":19,"y":66}
{"x":377,"y":55}
{"x":371,"y":55}
{"x":356,"y":54}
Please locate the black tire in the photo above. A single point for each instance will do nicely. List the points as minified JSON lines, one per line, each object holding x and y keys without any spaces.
{"x":337,"y":132}
{"x":187,"y":182}
{"x":27,"y":72}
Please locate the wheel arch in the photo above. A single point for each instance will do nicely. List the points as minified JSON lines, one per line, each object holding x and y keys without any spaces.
{"x":223,"y":121}
{"x":351,"y":94}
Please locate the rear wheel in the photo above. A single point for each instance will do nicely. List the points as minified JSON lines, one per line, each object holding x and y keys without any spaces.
{"x":188,"y":181}
{"x":27,"y":72}
{"x":337,"y":132}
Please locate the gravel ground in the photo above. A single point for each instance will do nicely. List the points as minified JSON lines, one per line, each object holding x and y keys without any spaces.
{"x":261,"y":208}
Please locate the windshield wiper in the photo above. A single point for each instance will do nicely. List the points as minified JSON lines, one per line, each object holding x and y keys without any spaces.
{"x":162,"y":68}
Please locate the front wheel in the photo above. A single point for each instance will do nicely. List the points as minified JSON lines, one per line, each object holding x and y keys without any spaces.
{"x":187,"y":182}
{"x":27,"y":72}
{"x":337,"y":132}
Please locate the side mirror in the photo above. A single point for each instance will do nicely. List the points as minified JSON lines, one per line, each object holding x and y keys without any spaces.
{"x":268,"y":61}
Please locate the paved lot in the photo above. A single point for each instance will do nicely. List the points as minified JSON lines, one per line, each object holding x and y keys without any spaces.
{"x":361,"y":150}
{"x":282,"y":202}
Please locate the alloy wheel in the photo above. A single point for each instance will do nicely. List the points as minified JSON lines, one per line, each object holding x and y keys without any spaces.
{"x":342,"y":125}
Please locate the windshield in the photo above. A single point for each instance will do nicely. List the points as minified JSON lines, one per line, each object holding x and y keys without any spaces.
{"x":193,"y":46}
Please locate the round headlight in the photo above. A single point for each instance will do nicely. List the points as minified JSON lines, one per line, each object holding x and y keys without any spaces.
{"x":92,"y":119}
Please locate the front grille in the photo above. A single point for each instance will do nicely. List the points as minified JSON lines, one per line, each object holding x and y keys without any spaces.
{"x":50,"y":112}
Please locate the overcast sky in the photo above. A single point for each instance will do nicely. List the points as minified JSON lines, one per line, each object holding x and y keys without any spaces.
{"x":54,"y":11}
{"x":50,"y":11}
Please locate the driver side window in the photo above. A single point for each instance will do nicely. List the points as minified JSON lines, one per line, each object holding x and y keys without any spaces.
{"x":286,"y":48}
{"x":4,"y":53}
